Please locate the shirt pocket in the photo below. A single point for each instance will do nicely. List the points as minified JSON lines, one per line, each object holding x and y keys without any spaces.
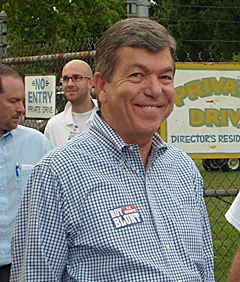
{"x":22,"y":175}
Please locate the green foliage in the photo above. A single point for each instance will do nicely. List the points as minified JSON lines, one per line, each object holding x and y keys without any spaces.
{"x":61,"y":22}
{"x":201,"y":27}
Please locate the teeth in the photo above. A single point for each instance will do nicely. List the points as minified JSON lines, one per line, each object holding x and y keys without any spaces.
{"x":149,"y":107}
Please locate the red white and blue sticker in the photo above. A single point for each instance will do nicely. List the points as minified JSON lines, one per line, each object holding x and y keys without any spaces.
{"x":125,"y":216}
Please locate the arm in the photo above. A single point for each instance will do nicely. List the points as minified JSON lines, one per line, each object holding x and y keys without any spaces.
{"x":207,"y":235}
{"x":233,"y":217}
{"x":235,"y":269}
{"x":47,"y":144}
{"x":39,"y":245}
{"x":233,"y":214}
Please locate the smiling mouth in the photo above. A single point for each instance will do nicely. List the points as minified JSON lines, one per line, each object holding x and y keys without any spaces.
{"x":149,"y":107}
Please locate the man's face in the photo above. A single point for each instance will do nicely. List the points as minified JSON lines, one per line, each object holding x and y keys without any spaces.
{"x":140,"y":95}
{"x":11,"y":103}
{"x":76,"y":92}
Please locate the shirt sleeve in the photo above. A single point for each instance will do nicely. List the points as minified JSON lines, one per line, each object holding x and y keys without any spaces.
{"x":39,"y":244}
{"x":207,"y":234}
{"x":47,"y":144}
{"x":233,"y":214}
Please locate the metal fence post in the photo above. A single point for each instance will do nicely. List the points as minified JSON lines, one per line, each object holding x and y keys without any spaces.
{"x":137,"y":8}
{"x":3,"y":33}
{"x":131,"y":9}
{"x":142,"y":8}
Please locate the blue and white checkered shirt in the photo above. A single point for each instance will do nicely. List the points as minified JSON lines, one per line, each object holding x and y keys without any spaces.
{"x":92,"y":213}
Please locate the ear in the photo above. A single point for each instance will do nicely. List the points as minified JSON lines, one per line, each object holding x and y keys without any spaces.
{"x":100,"y":83}
{"x":91,"y":83}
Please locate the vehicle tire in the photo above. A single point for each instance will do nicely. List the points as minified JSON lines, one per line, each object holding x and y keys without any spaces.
{"x":206,"y":164}
{"x":232,"y":164}
{"x":213,"y":164}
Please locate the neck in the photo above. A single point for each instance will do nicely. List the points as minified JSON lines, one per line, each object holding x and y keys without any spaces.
{"x":83,"y":108}
{"x":2,"y":132}
{"x":144,"y":152}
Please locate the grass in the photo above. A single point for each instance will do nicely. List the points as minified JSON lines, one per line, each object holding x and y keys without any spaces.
{"x":225,"y":237}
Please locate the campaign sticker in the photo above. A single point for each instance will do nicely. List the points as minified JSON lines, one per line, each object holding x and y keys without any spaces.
{"x":125,"y":216}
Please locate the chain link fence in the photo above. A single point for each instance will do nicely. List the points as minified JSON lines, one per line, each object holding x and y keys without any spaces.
{"x":221,"y":185}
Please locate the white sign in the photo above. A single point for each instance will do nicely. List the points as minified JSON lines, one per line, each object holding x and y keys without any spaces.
{"x":206,"y":117}
{"x":40,"y":96}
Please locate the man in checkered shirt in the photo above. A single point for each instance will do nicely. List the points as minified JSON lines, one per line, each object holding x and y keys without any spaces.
{"x":117,"y":203}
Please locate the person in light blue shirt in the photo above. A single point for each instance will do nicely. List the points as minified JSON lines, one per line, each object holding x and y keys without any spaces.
{"x":20,"y":149}
{"x":117,"y":203}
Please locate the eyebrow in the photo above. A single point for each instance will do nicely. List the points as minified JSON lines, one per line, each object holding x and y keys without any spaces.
{"x":72,"y":75}
{"x":146,"y":69}
{"x":137,"y":65}
{"x":167,"y":69}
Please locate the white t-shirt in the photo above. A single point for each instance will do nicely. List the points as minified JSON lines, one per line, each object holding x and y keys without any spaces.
{"x":81,"y":119}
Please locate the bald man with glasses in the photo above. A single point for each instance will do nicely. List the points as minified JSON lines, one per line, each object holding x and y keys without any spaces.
{"x":77,"y":81}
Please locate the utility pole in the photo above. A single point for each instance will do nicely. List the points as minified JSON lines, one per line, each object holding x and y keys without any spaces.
{"x":3,"y":33}
{"x":137,"y":8}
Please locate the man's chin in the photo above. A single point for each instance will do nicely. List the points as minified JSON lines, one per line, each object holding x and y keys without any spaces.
{"x":13,"y":126}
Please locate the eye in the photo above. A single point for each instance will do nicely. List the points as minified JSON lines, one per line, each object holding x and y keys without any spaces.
{"x":77,"y":77}
{"x":136,"y":74}
{"x":13,"y":101}
{"x":166,"y":79}
{"x":64,"y":78}
{"x":136,"y":77}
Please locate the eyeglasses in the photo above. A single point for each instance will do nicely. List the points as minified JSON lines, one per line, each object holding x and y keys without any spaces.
{"x":74,"y":78}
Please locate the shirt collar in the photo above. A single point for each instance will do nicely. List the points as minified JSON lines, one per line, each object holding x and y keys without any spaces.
{"x":99,"y":125}
{"x":7,"y":136}
{"x":67,"y":114}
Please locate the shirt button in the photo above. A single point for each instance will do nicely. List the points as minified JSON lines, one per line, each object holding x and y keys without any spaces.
{"x":169,"y":248}
{"x":131,"y":148}
{"x":156,"y":213}
{"x":3,"y":252}
{"x":121,"y":162}
{"x":3,"y":210}
{"x":1,"y":189}
{"x":4,"y":231}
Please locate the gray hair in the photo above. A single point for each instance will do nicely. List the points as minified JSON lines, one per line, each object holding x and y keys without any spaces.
{"x":133,"y":32}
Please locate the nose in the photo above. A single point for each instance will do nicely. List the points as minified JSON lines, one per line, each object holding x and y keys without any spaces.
{"x":155,"y":87}
{"x":70,"y":81}
{"x":20,"y":107}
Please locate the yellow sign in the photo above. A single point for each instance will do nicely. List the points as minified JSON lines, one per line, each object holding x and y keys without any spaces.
{"x":205,"y":122}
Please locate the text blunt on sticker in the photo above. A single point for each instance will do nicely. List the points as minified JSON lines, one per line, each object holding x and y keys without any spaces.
{"x":125,"y":216}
